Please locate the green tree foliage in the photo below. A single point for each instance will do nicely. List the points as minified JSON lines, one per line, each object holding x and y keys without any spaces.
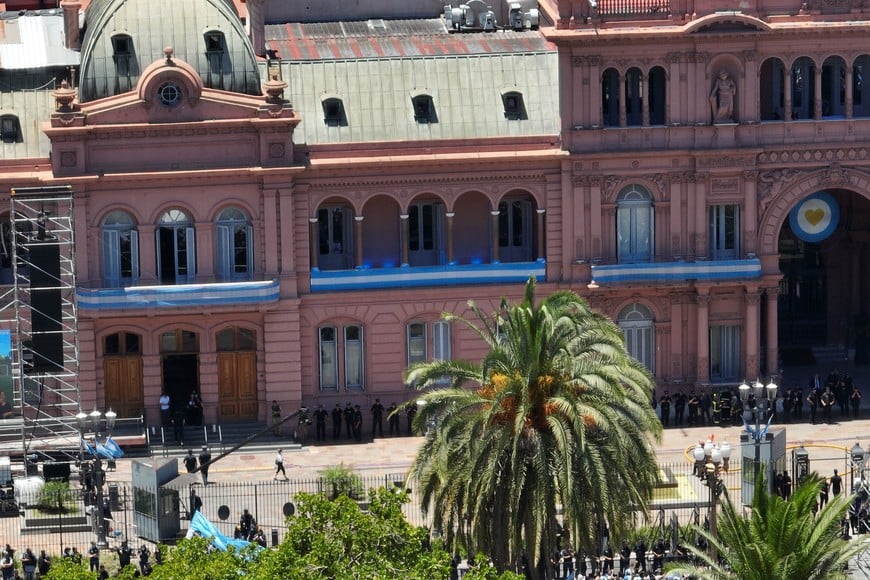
{"x":781,"y":539}
{"x":192,"y":560}
{"x":341,"y":480}
{"x":560,"y":417}
{"x":335,"y":539}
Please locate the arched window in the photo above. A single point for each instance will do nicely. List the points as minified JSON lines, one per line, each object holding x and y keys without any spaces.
{"x":176,"y":248}
{"x":772,"y":90}
{"x":634,"y":225}
{"x":610,"y":97}
{"x":657,"y":96}
{"x":834,"y":87}
{"x":803,"y":91}
{"x":234,"y":252}
{"x":636,"y":322}
{"x":120,"y":241}
{"x":236,"y":338}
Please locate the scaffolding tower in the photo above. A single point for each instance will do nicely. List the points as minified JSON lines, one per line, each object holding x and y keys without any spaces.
{"x":45,"y":350}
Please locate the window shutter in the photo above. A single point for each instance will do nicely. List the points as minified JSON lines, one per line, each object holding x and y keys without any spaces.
{"x":112,"y":258}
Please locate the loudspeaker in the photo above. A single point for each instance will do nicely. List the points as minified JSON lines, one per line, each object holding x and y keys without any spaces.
{"x":46,"y":307}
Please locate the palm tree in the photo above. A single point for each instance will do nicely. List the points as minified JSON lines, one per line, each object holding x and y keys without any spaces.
{"x":780,"y":540}
{"x":560,"y":418}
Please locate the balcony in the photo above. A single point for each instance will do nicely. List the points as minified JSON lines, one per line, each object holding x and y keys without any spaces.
{"x":428,"y":276}
{"x":664,"y":272}
{"x":180,"y":296}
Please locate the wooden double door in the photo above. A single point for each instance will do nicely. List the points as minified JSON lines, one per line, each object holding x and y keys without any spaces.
{"x":122,"y":377}
{"x":237,"y":385}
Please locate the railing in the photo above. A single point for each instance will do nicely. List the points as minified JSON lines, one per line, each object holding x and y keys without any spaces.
{"x":634,"y":8}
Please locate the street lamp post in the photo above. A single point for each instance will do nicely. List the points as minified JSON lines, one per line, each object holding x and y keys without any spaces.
{"x":763,"y":394}
{"x":94,"y":422}
{"x":858,"y":456}
{"x":711,"y":460}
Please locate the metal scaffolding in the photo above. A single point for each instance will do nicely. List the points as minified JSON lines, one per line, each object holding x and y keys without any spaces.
{"x":45,"y":359}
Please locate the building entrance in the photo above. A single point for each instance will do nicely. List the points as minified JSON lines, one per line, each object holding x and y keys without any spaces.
{"x":179,"y":353}
{"x":825,"y":262}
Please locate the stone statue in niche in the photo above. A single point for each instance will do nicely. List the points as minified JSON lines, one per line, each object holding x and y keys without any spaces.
{"x":722,"y":98}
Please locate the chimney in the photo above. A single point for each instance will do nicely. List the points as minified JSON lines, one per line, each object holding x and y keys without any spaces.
{"x":71,"y":23}
{"x":257,"y":25}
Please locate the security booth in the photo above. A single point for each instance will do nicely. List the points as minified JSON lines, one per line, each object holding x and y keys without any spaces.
{"x":800,"y":464}
{"x":765,"y":454}
{"x":156,"y":508}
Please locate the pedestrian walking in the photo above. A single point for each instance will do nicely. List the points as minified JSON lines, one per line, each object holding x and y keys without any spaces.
{"x":204,"y":460}
{"x":279,"y":466}
{"x":190,"y":461}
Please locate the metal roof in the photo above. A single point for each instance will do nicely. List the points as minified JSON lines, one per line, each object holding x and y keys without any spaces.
{"x":34,"y":39}
{"x":32,"y":109}
{"x":392,"y":39}
{"x":466,"y":92}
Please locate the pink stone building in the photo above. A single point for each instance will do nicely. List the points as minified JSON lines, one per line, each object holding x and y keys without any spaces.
{"x":271,"y":204}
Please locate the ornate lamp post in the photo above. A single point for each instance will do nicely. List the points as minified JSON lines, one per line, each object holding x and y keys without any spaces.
{"x":763,"y":394}
{"x":711,"y":460}
{"x":858,"y":456}
{"x":94,"y":422}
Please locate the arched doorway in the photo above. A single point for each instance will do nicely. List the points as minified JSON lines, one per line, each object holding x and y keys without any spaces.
{"x":237,"y":374}
{"x":824,"y":260}
{"x":122,"y":373}
{"x":179,"y":353}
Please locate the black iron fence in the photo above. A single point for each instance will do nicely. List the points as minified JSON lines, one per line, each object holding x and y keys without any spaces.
{"x":56,"y":516}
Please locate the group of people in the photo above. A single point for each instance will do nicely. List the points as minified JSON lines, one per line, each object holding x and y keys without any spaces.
{"x":30,"y":563}
{"x":179,"y":415}
{"x":204,"y":459}
{"x":351,"y":417}
{"x":249,"y":530}
{"x":724,"y":407}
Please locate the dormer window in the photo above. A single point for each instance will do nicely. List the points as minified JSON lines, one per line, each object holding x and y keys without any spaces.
{"x":424,"y":109}
{"x":514,"y":107}
{"x":214,"y":41}
{"x":333,"y":112}
{"x":10,"y":129}
{"x":122,"y":45}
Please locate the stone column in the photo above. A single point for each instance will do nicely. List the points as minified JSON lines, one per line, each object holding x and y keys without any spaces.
{"x":751,"y":324}
{"x":644,"y":107}
{"x":312,"y":242}
{"x":750,"y":212}
{"x":72,"y":38}
{"x":850,"y":101}
{"x":494,"y":217}
{"x":405,"y":235}
{"x":541,"y":213}
{"x":817,"y":94}
{"x":358,"y":239}
{"x":270,"y":229}
{"x":703,"y":369}
{"x":772,"y":337}
{"x":786,"y":115}
{"x":623,"y":96}
{"x":450,"y":216}
{"x":147,"y":254}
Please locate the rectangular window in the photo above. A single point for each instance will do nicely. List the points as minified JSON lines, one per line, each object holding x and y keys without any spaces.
{"x":639,"y":343}
{"x":120,"y":258}
{"x":328,"y":359}
{"x":724,"y":353}
{"x":724,"y":232}
{"x":353,"y":357}
{"x":441,"y":340}
{"x":416,"y":343}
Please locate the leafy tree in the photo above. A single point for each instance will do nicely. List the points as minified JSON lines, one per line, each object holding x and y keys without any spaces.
{"x":335,"y":539}
{"x":780,"y":540}
{"x":68,"y":569}
{"x":192,"y":559}
{"x":340,"y":480}
{"x":561,"y":417}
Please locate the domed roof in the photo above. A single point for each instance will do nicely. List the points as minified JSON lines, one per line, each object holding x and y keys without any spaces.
{"x":123,"y":37}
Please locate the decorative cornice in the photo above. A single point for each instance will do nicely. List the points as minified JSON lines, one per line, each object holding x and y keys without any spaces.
{"x":804,"y":155}
{"x":726,"y":161}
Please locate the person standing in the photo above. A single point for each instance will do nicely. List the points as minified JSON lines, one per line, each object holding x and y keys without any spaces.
{"x":94,"y":558}
{"x":813,"y":402}
{"x":204,"y":460}
{"x":165,"y":417}
{"x":190,"y":461}
{"x":125,"y":555}
{"x":276,"y":419}
{"x":348,"y":420}
{"x":357,"y":423}
{"x":7,"y":566}
{"x":178,"y":418}
{"x":195,"y":503}
{"x":194,"y":409}
{"x":377,"y":419}
{"x":706,"y":404}
{"x":827,"y":404}
{"x":855,"y":400}
{"x":337,"y":416}
{"x":693,"y":403}
{"x":320,"y":422}
{"x":28,"y":564}
{"x":279,"y":466}
{"x":665,"y":408}
{"x":412,"y":412}
{"x":823,"y":494}
{"x":43,"y":563}
{"x":393,"y":419}
{"x":679,"y":408}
